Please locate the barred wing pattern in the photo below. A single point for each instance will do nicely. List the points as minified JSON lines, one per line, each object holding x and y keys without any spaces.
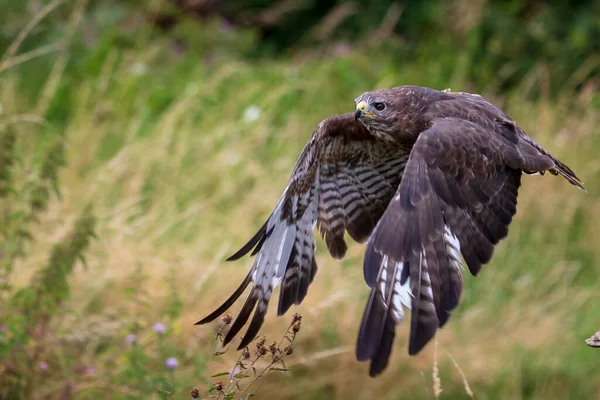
{"x":458,"y":195}
{"x":451,"y":199}
{"x":343,"y":181}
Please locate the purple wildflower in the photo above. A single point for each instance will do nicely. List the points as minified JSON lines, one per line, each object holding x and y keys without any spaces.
{"x":43,"y":365}
{"x":159,"y":328}
{"x":3,"y":328}
{"x":129,"y":339}
{"x":90,"y":370}
{"x":172,"y":363}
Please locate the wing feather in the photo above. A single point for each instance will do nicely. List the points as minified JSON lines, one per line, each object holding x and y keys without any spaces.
{"x":451,"y":199}
{"x":342,"y":182}
{"x":254,"y":243}
{"x":457,"y":197}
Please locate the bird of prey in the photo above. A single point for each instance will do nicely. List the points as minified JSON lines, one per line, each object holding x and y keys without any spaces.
{"x":424,"y":177}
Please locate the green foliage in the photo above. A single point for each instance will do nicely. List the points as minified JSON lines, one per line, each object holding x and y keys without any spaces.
{"x":504,"y":41}
{"x":28,"y":313}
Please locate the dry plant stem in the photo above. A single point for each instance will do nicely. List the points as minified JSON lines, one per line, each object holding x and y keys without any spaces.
{"x":388,"y":24}
{"x":217,"y":338}
{"x":9,"y":60}
{"x":437,"y":384}
{"x":230,"y":380}
{"x":261,"y":351}
{"x":59,"y":65}
{"x":285,"y":336}
{"x":30,"y":55}
{"x":14,"y":46}
{"x":426,"y":391}
{"x":267,"y":369}
{"x":463,"y":376}
{"x":168,"y":393}
{"x":297,"y":318}
{"x":276,"y":358}
{"x":21,"y":118}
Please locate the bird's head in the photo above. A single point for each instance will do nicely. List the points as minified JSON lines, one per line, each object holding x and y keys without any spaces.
{"x":389,"y":114}
{"x":379,"y":111}
{"x":367,"y":109}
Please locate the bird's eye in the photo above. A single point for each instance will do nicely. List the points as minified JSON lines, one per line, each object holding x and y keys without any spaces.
{"x":379,"y":106}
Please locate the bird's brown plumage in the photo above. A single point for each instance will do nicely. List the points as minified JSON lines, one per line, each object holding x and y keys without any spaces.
{"x":425,"y":176}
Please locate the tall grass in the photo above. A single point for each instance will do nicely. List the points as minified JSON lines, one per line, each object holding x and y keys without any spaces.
{"x":180,"y":173}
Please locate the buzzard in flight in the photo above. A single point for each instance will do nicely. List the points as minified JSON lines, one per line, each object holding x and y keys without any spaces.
{"x":424,"y":176}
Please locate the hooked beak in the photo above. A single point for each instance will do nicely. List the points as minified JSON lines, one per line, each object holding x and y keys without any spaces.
{"x":360,"y":111}
{"x":357,"y":114}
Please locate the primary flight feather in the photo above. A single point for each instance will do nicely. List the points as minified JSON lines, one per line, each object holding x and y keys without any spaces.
{"x":427,"y":177}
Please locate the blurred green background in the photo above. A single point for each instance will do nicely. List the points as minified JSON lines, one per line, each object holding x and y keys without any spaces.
{"x":141,"y":142}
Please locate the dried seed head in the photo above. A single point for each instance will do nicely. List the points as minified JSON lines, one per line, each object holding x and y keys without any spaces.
{"x":195,"y":393}
{"x":297,"y":317}
{"x":260,"y":341}
{"x":296,"y":327}
{"x":288,"y":350}
{"x":273,"y":348}
{"x":246,"y":353}
{"x":218,"y":386}
{"x":262,"y":350}
{"x":227,"y":318}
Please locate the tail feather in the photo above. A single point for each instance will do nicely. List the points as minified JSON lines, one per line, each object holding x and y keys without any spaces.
{"x":373,"y":317}
{"x":380,"y":358}
{"x":383,"y":312}
{"x":424,"y":320}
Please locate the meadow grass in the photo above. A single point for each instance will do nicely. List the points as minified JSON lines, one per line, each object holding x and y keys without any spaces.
{"x":180,"y":174}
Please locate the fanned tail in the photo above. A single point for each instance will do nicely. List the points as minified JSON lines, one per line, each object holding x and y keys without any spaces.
{"x":383,"y":312}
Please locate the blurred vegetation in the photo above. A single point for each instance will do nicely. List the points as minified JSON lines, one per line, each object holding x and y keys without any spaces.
{"x":501,"y":43}
{"x":151,"y":138}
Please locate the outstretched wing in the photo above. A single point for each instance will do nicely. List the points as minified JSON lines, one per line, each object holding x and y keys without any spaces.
{"x":458,"y":195}
{"x":343,"y":181}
